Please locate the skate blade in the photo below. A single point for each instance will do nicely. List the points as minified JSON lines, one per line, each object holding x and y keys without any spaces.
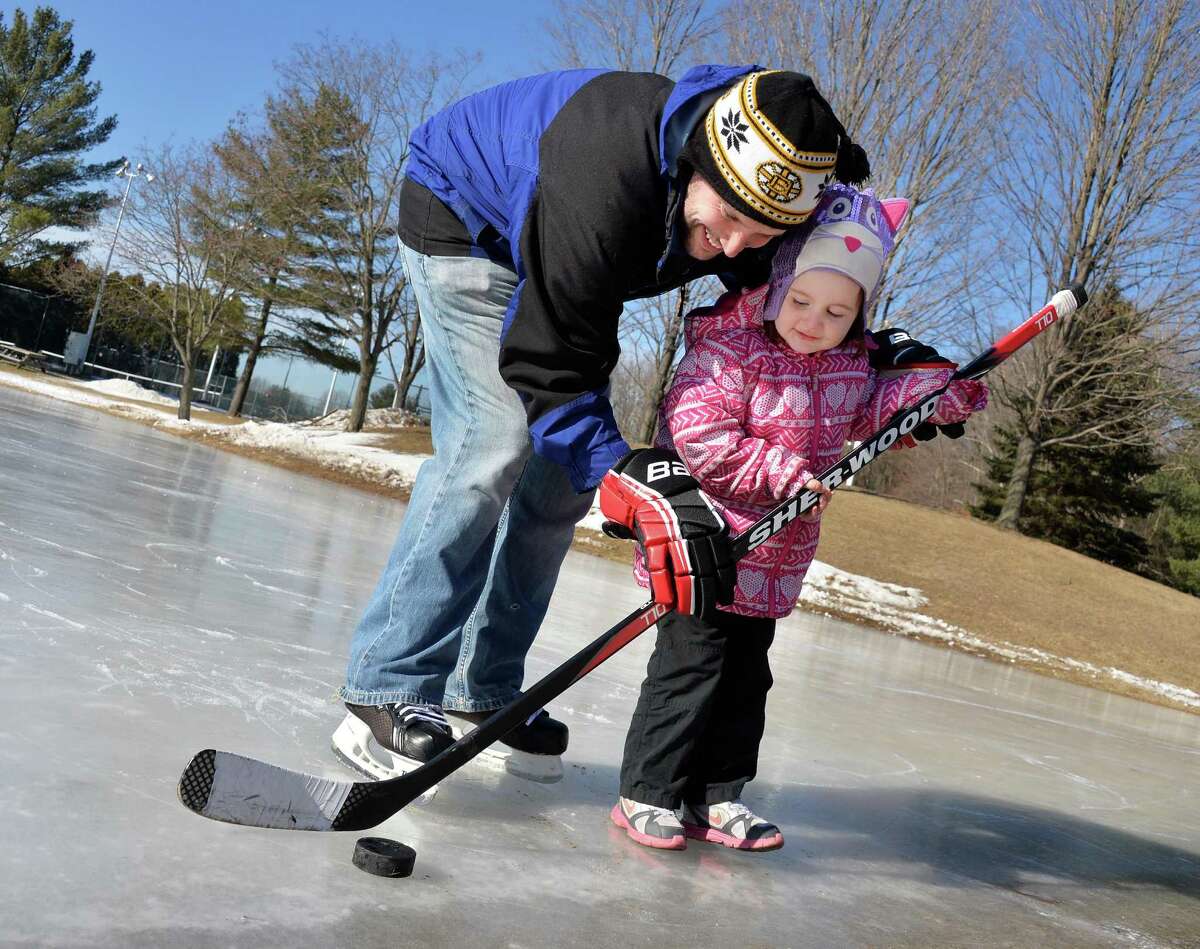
{"x":355,"y":747}
{"x":500,"y":758}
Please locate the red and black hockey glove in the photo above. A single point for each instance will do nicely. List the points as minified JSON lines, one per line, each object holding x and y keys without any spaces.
{"x":649,"y":495}
{"x":896,"y":351}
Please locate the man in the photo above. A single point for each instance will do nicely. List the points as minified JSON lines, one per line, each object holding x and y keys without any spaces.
{"x":530,"y":214}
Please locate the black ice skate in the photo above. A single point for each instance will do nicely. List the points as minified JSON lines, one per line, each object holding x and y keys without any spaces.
{"x":532,"y":751}
{"x":383,"y":741}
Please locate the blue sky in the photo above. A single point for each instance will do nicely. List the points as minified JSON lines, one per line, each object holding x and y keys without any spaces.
{"x":182,"y":70}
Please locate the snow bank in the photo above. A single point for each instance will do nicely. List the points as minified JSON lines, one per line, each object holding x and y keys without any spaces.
{"x":351,"y":452}
{"x":128,"y":389}
{"x":376,"y":418}
{"x":75,"y":394}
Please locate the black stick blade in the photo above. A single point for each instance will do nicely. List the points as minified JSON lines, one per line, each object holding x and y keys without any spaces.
{"x":195,"y":783}
{"x":228,"y":787}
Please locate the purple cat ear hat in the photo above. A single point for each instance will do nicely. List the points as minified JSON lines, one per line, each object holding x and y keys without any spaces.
{"x":850,"y":232}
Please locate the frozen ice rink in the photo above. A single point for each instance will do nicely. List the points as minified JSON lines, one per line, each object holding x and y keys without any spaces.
{"x":158,"y":597}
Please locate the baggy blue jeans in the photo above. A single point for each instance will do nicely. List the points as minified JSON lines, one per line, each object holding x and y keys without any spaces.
{"x":471,"y":573}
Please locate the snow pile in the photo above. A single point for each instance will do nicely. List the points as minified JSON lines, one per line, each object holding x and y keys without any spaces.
{"x":824,"y":585}
{"x":351,"y":452}
{"x":376,"y":418}
{"x":66,"y":393}
{"x":896,"y":608}
{"x":128,"y":389}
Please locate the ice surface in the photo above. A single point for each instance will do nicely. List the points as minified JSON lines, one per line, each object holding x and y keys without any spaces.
{"x":321,"y":441}
{"x":158,"y":597}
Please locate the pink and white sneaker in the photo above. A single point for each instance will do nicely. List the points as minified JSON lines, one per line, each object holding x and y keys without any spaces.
{"x":650,"y":826}
{"x":730,"y":824}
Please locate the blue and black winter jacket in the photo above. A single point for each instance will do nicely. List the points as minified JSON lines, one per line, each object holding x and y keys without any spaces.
{"x":569,"y":179}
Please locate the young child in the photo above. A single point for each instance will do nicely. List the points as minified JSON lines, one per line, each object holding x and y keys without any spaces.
{"x":774,"y":382}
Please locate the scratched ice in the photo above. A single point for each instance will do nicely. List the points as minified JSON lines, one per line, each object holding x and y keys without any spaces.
{"x":158,"y":597}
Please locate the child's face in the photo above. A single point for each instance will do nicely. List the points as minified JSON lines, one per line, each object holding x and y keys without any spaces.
{"x":818,"y":311}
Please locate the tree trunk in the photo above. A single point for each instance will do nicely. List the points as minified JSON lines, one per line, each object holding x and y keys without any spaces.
{"x":662,"y":370}
{"x":260,"y":333}
{"x":408,"y":375}
{"x":185,"y":389}
{"x":362,"y":389}
{"x":1018,"y":483}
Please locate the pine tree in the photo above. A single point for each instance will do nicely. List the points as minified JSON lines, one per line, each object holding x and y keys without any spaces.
{"x":47,"y":121}
{"x":344,"y":118}
{"x":1178,"y":539}
{"x":1174,"y":530}
{"x":1090,"y":496}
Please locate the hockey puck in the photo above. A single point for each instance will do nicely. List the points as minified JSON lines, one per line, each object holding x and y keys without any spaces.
{"x":383,"y":857}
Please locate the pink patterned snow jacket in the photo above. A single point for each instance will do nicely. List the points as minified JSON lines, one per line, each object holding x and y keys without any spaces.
{"x":753,"y":420}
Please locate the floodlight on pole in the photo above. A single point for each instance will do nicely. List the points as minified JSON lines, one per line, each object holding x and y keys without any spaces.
{"x":122,"y":172}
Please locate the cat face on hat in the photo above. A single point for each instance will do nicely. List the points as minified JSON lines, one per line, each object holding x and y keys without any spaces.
{"x":851,"y":233}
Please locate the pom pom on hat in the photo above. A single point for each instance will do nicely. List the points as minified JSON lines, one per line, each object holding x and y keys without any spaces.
{"x":770,"y":144}
{"x":852,"y":167}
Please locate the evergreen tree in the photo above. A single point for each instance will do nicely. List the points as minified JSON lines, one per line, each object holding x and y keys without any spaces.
{"x":1177,"y":537}
{"x":350,"y":279}
{"x":344,"y":114}
{"x":1174,"y":530}
{"x":1090,"y":497}
{"x":1090,"y":500}
{"x":274,"y":193}
{"x":383,"y":397}
{"x":47,"y":121}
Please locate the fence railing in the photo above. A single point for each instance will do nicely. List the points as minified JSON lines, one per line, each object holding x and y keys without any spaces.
{"x":264,"y":401}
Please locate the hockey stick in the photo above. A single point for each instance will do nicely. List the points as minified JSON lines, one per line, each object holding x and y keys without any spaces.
{"x":229,"y":787}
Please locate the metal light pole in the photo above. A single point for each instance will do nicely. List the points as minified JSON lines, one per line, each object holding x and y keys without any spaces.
{"x":124,"y":172}
{"x":211,"y":366}
{"x":332,"y":383}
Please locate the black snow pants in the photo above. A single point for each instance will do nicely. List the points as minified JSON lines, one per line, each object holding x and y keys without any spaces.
{"x":695,"y":732}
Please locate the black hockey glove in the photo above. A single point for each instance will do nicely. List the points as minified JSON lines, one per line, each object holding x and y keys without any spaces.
{"x":896,"y":351}
{"x":650,"y":496}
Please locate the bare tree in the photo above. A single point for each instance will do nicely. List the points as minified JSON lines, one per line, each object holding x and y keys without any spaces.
{"x":407,"y":327}
{"x":1101,"y":193}
{"x":179,"y":234}
{"x":919,"y":84}
{"x":665,"y":348}
{"x":631,"y":35}
{"x":352,"y":108}
{"x":652,"y":335}
{"x":638,"y":36}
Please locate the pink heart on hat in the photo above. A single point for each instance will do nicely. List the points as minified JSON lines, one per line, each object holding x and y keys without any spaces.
{"x":852,"y":243}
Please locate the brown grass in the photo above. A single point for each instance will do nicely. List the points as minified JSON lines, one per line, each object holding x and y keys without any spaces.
{"x":1005,"y":587}
{"x":998,"y":585}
